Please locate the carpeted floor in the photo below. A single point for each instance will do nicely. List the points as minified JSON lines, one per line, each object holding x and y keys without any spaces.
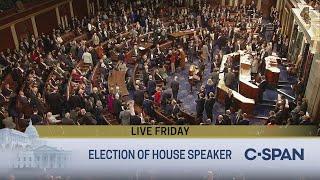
{"x":262,"y":109}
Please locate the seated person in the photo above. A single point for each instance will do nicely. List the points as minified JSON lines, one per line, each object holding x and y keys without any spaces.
{"x":35,"y":117}
{"x":6,"y":91}
{"x":52,"y":119}
{"x":161,"y":75}
{"x":77,"y":76}
{"x":67,"y":120}
{"x":86,"y":118}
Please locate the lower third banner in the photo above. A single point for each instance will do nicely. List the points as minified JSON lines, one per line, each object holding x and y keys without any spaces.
{"x":154,"y":158}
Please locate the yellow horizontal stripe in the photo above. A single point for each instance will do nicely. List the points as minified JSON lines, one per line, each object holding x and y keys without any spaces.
{"x":176,"y":131}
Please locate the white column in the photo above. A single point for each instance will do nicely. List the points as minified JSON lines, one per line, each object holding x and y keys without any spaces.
{"x":278,"y":5}
{"x":71,"y":8}
{"x":236,"y":3}
{"x":88,"y":6}
{"x":62,"y":22}
{"x":93,"y":9}
{"x":98,"y":5}
{"x":223,"y":2}
{"x":34,"y":26}
{"x":291,"y":34}
{"x":304,"y":41}
{"x":243,"y":1}
{"x":14,"y":36}
{"x":66,"y":21}
{"x":259,"y":4}
{"x":58,"y":15}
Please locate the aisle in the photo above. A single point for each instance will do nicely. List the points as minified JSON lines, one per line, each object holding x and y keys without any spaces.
{"x":188,"y":99}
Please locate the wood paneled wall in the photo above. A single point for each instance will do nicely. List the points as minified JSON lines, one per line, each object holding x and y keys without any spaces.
{"x":46,"y":21}
{"x":24,"y":29}
{"x":6,"y":39}
{"x":80,"y":8}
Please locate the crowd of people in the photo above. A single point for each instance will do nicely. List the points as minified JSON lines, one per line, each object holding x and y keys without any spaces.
{"x":55,"y":77}
{"x":314,"y":3}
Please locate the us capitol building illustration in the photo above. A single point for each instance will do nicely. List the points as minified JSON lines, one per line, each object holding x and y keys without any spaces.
{"x":31,"y":151}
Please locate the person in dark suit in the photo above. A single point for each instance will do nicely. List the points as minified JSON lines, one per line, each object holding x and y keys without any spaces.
{"x":166,"y":97}
{"x":74,"y":102}
{"x":135,"y":120}
{"x":67,"y":120}
{"x":22,"y":102}
{"x":3,"y":99}
{"x":306,"y":120}
{"x":148,"y":107}
{"x":280,"y":116}
{"x":175,"y":88}
{"x":227,"y":118}
{"x":117,"y":106}
{"x":220,"y":120}
{"x":35,"y":117}
{"x":228,"y":101}
{"x":180,"y":120}
{"x":304,"y":105}
{"x":262,"y":86}
{"x":209,"y":103}
{"x":200,"y":102}
{"x":86,"y":118}
{"x":245,"y":120}
{"x":215,"y":76}
{"x":55,"y":100}
{"x":96,"y":95}
{"x":6,"y":91}
{"x":138,"y":96}
{"x":299,"y":88}
{"x":229,"y":78}
{"x":271,"y":118}
{"x":175,"y":110}
{"x":151,"y":86}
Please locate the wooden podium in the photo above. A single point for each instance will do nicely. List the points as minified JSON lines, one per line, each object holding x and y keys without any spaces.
{"x":241,"y":102}
{"x":272,"y":71}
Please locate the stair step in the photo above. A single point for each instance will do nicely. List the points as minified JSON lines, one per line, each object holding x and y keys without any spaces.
{"x":268,"y":101}
{"x":283,"y":82}
{"x":284,"y":86}
{"x":285,"y":94}
{"x":264,"y":104}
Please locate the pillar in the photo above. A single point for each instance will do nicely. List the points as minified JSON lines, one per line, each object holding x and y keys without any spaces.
{"x":278,"y":6}
{"x":223,"y":2}
{"x":66,"y":21}
{"x":71,"y":9}
{"x":93,"y":9}
{"x":58,"y":15}
{"x":244,"y":2}
{"x":14,"y":36}
{"x":259,"y":4}
{"x":89,"y":7}
{"x":98,"y":5}
{"x":313,"y":89}
{"x":303,"y":40}
{"x":236,"y":2}
{"x":34,"y":27}
{"x":62,"y":22}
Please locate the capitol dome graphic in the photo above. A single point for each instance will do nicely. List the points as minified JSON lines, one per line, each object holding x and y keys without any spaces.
{"x":31,"y":151}
{"x":31,"y":131}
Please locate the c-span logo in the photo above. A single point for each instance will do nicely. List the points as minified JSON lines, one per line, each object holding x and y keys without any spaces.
{"x":274,"y":154}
